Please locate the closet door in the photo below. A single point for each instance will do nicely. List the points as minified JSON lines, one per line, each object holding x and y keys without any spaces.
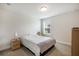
{"x":75,"y":42}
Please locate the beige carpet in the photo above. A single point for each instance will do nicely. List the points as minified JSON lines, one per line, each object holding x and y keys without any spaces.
{"x":58,"y":50}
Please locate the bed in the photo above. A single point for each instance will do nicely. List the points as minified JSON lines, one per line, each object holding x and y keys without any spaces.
{"x":37,"y":44}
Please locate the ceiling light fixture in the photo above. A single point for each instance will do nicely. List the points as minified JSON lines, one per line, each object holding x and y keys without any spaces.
{"x":43,"y":8}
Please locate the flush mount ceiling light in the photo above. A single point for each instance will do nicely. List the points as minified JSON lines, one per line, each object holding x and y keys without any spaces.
{"x":43,"y":8}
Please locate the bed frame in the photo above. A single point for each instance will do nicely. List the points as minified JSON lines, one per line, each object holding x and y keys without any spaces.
{"x":41,"y":54}
{"x":45,"y":52}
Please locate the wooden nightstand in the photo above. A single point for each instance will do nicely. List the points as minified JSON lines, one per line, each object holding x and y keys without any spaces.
{"x":15,"y":43}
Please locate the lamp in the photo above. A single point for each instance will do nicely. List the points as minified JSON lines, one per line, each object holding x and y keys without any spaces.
{"x":16,"y":35}
{"x":43,"y":8}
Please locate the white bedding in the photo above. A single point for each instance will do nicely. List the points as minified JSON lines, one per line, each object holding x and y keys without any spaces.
{"x":37,"y":44}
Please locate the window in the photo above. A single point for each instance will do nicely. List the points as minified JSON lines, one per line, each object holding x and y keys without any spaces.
{"x":45,"y":27}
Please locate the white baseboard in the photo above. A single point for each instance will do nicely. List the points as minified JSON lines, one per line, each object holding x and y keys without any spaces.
{"x":65,"y":43}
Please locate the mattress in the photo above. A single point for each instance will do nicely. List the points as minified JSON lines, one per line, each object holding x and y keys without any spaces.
{"x":37,"y":44}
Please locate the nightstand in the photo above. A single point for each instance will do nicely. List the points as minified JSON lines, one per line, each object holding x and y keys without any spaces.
{"x":15,"y":43}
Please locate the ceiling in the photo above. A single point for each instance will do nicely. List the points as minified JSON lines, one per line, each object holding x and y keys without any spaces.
{"x":33,"y":9}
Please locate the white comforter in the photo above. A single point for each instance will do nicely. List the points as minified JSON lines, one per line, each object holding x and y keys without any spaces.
{"x":37,"y":44}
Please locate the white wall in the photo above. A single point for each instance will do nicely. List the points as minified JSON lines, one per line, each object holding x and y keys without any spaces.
{"x":23,"y":24}
{"x":16,"y":21}
{"x":61,"y":26}
{"x":12,"y":21}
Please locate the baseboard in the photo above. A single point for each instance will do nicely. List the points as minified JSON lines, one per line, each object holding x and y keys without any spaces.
{"x":65,"y":43}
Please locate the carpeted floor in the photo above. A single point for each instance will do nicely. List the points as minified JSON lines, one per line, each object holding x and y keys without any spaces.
{"x":58,"y":50}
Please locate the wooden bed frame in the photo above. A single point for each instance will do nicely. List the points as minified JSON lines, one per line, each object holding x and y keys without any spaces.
{"x":44,"y":53}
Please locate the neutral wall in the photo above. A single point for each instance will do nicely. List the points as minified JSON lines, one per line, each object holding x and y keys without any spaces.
{"x":12,"y":21}
{"x":15,"y":21}
{"x":61,"y":26}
